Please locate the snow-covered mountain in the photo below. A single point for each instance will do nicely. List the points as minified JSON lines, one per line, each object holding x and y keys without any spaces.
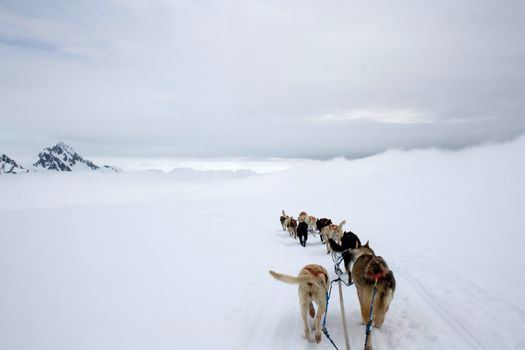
{"x":9,"y":166}
{"x":62,"y":157}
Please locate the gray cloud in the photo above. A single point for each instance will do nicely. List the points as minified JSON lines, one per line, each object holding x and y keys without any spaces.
{"x":237,"y":78}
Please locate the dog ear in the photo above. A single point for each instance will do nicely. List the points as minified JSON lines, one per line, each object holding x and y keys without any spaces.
{"x":366,"y":245}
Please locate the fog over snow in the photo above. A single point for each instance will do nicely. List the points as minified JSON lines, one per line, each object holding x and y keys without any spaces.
{"x":258,"y":165}
{"x":300,"y":79}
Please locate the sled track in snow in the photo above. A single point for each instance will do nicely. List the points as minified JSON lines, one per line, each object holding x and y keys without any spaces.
{"x":468,"y":337}
{"x":465,"y":289}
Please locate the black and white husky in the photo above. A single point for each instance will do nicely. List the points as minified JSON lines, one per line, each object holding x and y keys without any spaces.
{"x":285,"y":219}
{"x":349,"y":241}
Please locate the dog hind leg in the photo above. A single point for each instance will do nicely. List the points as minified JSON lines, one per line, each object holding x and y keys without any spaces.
{"x":363,"y":304}
{"x":348,"y":265}
{"x":320,"y":312}
{"x":327,"y":242}
{"x":382,"y":307}
{"x":304,"y":314}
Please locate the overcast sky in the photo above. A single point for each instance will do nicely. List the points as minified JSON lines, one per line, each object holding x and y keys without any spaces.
{"x":259,"y":78}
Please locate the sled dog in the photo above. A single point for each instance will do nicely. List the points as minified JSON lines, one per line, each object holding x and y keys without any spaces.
{"x":313,"y":283}
{"x":334,"y":232}
{"x":311,"y":222}
{"x":302,"y":216}
{"x":348,"y":241}
{"x":367,"y":267}
{"x":320,"y":223}
{"x":284,"y":220}
{"x":302,"y":232}
{"x":292,"y":227}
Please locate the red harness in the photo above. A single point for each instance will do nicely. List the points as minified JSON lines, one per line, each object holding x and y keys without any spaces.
{"x":317,"y":273}
{"x":376,"y":276}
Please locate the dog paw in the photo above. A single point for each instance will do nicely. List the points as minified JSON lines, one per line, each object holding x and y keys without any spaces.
{"x":318,"y":338}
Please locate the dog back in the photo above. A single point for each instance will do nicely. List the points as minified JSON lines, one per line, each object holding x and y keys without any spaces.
{"x":307,"y":274}
{"x":302,"y":229}
{"x":350,"y":240}
{"x":317,"y":271}
{"x":366,"y":267}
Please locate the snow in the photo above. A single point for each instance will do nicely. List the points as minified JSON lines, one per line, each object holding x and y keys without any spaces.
{"x":150,"y":260}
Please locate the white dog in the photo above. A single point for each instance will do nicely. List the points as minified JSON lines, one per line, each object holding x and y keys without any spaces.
{"x":311,"y":222}
{"x":313,"y":283}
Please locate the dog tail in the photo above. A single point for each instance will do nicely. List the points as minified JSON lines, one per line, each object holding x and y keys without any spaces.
{"x":290,"y":279}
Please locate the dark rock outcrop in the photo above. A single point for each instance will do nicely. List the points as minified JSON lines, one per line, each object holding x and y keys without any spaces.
{"x":9,"y":166}
{"x":62,"y":157}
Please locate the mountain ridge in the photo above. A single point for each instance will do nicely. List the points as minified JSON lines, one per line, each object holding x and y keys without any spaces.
{"x":9,"y":166}
{"x":59,"y":157}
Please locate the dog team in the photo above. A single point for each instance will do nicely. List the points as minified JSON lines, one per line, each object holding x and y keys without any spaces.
{"x":306,"y":223}
{"x":361,"y":264}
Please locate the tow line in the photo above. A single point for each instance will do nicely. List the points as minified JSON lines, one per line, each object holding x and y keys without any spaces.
{"x":368,"y":337}
{"x":338,"y":272}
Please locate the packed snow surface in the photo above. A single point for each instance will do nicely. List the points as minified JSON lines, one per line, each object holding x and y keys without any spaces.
{"x":164,"y":261}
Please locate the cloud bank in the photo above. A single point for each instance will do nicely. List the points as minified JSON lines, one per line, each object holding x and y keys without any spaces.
{"x":232,"y":78}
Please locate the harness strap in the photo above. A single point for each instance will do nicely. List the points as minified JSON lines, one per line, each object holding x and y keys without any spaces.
{"x":317,"y":273}
{"x":369,"y":323}
{"x":376,"y":276}
{"x":337,"y":261}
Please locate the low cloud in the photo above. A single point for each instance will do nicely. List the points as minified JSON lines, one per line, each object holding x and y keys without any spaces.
{"x":400,"y":116}
{"x":221,"y":78}
{"x":394,"y":116}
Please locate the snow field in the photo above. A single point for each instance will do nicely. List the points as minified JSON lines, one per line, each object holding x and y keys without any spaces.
{"x":156,"y":261}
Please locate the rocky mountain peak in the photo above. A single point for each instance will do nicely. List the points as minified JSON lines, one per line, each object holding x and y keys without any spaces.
{"x":62,"y":157}
{"x":9,"y":166}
